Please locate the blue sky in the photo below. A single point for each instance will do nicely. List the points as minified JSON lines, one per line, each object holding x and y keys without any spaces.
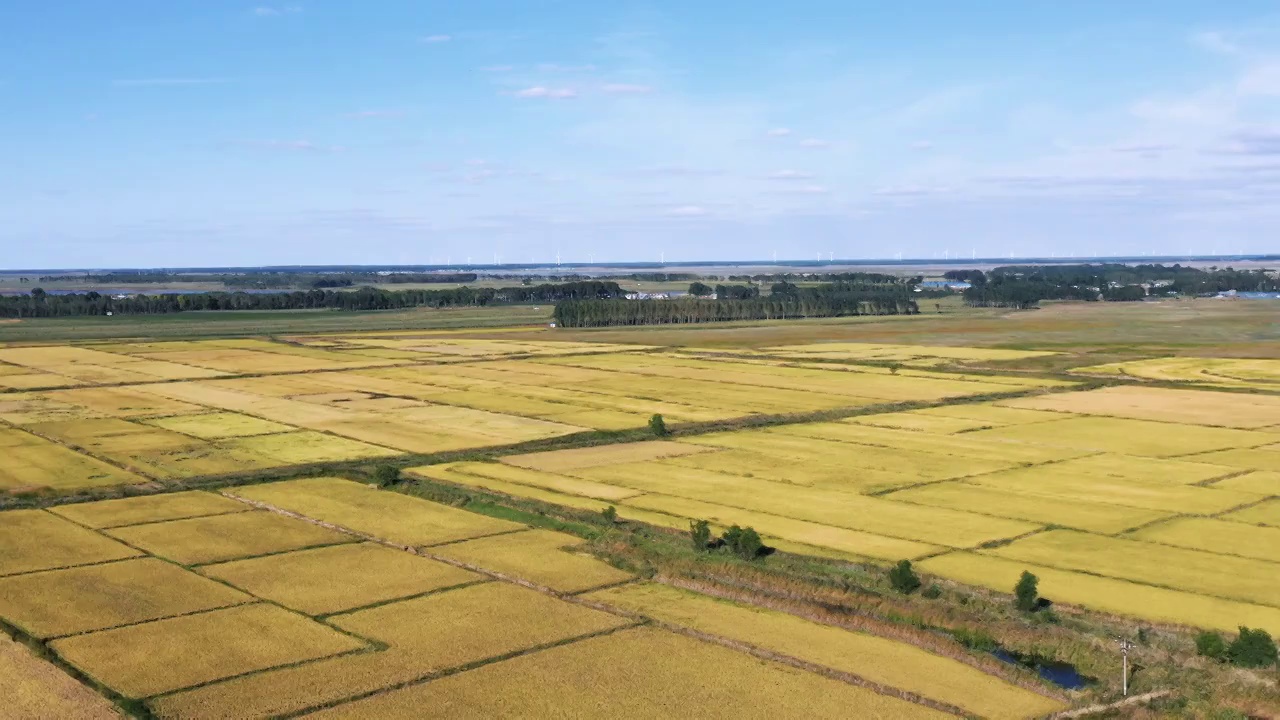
{"x":207,"y":132}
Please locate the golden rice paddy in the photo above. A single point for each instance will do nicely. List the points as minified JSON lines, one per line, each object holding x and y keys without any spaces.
{"x":1252,"y":373}
{"x":874,"y":658}
{"x":95,"y":597}
{"x":35,"y":688}
{"x":338,"y":578}
{"x":634,"y":673}
{"x":165,"y":655}
{"x":543,"y":557}
{"x":148,"y":508}
{"x":197,"y":541}
{"x":32,"y":540}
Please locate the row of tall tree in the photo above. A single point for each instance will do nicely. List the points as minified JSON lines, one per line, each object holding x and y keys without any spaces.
{"x":41,"y":304}
{"x":602,"y":313}
{"x":1023,"y":286}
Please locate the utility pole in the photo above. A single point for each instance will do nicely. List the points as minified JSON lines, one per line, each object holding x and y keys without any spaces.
{"x":1124,"y":677}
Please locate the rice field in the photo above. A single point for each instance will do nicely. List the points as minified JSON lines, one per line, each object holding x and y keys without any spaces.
{"x":34,"y":689}
{"x":284,"y":616}
{"x":877,"y":659}
{"x":1137,"y":500}
{"x":1250,"y":373}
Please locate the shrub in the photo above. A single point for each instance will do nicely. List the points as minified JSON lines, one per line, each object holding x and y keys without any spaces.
{"x":1252,"y":648}
{"x":1211,"y":645}
{"x":1026,"y":593}
{"x":743,"y":542}
{"x":700,"y":535}
{"x":658,"y":426}
{"x":903,"y":578}
{"x":386,"y":475}
{"x":975,"y":639}
{"x":933,"y":592}
{"x":610,"y":514}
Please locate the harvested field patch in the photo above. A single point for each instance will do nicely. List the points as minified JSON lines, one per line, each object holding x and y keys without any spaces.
{"x":826,"y":507}
{"x":921,"y":423}
{"x":338,"y":577}
{"x":114,"y":437}
{"x":543,"y":557}
{"x":389,"y":516}
{"x":215,"y":426}
{"x":1072,"y":487}
{"x":967,"y":446}
{"x":1266,"y":458}
{"x":1196,"y":571}
{"x":561,"y":460}
{"x":1153,"y":470}
{"x":852,"y":542}
{"x":1218,"y":536}
{"x":287,"y":690}
{"x":989,"y":414}
{"x":447,"y":474}
{"x":1262,"y":482}
{"x":224,"y":537}
{"x":872,"y":351}
{"x":877,"y":659}
{"x":33,"y":462}
{"x":33,"y":540}
{"x":1127,"y":437}
{"x":122,"y":402}
{"x":1258,"y":373}
{"x":94,"y":597}
{"x":36,"y":381}
{"x":1105,"y":594}
{"x":148,"y":508}
{"x":535,"y":478}
{"x":38,"y":689}
{"x":1266,"y":512}
{"x":297,"y":448}
{"x":143,"y":660}
{"x":1080,"y":514}
{"x":1201,"y":407}
{"x":633,"y":673}
{"x":481,"y":621}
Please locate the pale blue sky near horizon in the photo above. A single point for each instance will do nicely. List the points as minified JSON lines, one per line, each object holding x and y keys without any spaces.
{"x":156,"y":133}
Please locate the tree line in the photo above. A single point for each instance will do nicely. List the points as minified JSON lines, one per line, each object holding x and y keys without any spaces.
{"x":41,"y":304}
{"x":1023,"y":286}
{"x":807,"y":302}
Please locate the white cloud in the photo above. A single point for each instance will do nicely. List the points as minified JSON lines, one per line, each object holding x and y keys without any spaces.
{"x":779,"y":132}
{"x":790,"y":175}
{"x":437,"y":39}
{"x":276,"y":10}
{"x":558,"y":68}
{"x":814,"y":143}
{"x":626,"y":89}
{"x":538,"y":91}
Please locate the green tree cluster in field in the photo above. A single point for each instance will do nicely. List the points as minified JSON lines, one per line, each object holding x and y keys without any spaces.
{"x":41,"y":304}
{"x":1252,"y":648}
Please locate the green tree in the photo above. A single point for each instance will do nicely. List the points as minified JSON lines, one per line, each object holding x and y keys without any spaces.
{"x":743,"y":542}
{"x":610,"y":514}
{"x":700,"y":289}
{"x":1026,"y":593}
{"x":1211,"y":645}
{"x":658,"y":426}
{"x":386,"y":475}
{"x":903,"y":578}
{"x":1252,"y":648}
{"x":700,"y":535}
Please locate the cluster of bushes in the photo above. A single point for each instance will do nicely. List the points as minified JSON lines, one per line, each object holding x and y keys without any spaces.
{"x":1251,"y":648}
{"x":740,"y":541}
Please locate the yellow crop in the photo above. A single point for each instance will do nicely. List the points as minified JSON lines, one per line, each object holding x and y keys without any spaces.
{"x":631,"y":674}
{"x":1266,"y":512}
{"x":148,"y":508}
{"x":34,"y":688}
{"x":543,"y":557}
{"x":214,"y":426}
{"x":1105,"y":594}
{"x":1191,"y":570}
{"x":386,"y":515}
{"x":338,"y":577}
{"x":225,"y":537}
{"x":94,"y":597}
{"x":877,"y":659}
{"x":1219,"y":536}
{"x":33,"y":540}
{"x":561,"y":460}
{"x":33,"y":462}
{"x":1082,"y":514}
{"x":1202,"y":407}
{"x":142,"y":660}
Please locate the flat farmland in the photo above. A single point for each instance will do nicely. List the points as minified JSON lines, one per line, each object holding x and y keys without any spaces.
{"x":339,"y":626}
{"x":1250,"y":373}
